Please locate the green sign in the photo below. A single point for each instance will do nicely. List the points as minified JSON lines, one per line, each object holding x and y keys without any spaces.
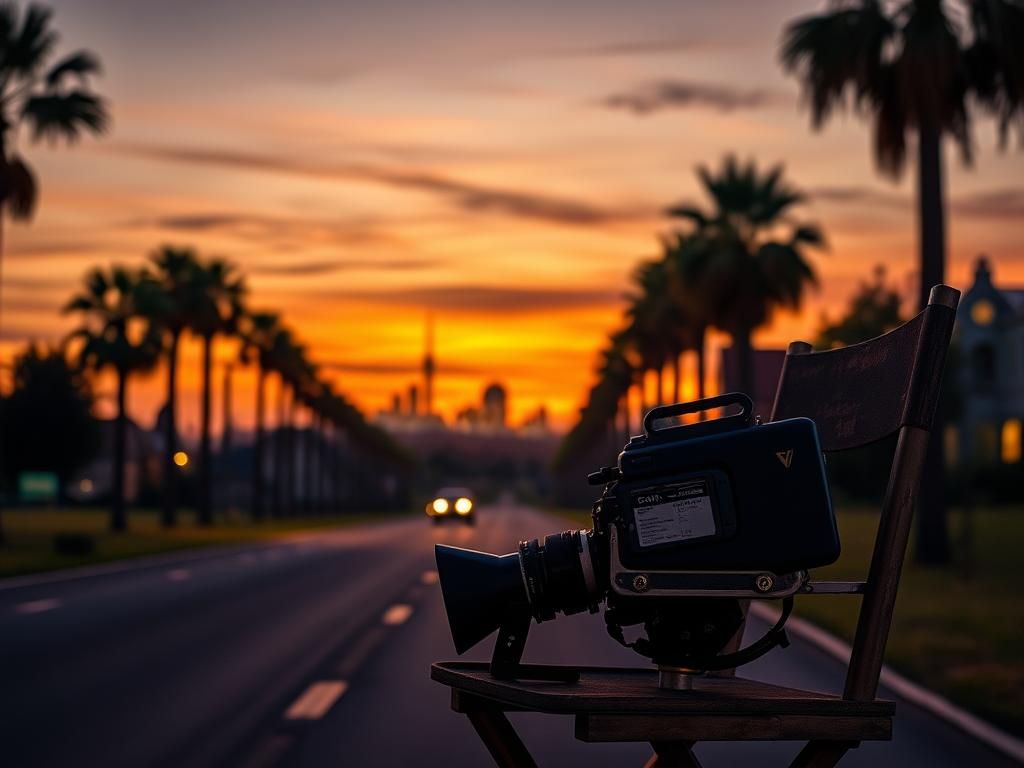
{"x":37,"y":486}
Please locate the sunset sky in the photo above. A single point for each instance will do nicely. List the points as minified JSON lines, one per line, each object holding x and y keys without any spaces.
{"x":500,"y":165}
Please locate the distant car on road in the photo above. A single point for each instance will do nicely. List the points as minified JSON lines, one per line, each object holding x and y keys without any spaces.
{"x":452,"y":504}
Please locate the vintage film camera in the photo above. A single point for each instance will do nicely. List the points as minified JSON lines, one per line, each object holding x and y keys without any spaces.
{"x":694,"y":518}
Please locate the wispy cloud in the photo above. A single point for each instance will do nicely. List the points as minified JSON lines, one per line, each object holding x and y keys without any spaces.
{"x":469,"y":196}
{"x":660,"y":95}
{"x":1006,"y":203}
{"x":324,"y":267}
{"x":629,"y":48}
{"x":484,"y":298}
{"x":859,"y":194}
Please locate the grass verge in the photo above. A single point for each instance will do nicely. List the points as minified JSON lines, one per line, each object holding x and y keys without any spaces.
{"x":30,"y":532}
{"x":957,"y":630}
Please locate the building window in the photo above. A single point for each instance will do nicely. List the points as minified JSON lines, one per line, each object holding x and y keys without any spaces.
{"x":982,"y":312}
{"x":1011,"y":440}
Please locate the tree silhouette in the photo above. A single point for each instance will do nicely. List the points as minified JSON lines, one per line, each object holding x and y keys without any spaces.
{"x":117,"y":333}
{"x":914,"y":68}
{"x":258,"y":337}
{"x":49,"y":416}
{"x":746,"y":258}
{"x":54,"y":103}
{"x":216,"y":304}
{"x":175,"y":270}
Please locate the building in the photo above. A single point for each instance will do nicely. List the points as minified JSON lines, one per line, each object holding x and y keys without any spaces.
{"x":988,"y":369}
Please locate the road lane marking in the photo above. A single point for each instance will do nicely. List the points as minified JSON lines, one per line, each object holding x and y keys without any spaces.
{"x":316,"y":700}
{"x":179,"y":574}
{"x":397,"y":614}
{"x":38,"y":606}
{"x":429,"y":577}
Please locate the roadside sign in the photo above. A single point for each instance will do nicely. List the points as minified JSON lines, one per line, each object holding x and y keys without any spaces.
{"x":37,"y":486}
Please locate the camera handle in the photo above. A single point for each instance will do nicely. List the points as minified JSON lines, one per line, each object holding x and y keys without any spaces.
{"x":508,"y":650}
{"x":739,"y":420}
{"x":774,"y":637}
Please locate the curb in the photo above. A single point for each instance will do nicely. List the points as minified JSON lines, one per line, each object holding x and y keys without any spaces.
{"x":921,"y":697}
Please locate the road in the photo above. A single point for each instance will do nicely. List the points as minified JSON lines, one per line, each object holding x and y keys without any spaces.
{"x":315,"y":651}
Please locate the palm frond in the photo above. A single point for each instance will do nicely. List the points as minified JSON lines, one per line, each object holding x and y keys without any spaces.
{"x":28,"y":47}
{"x":18,"y":189}
{"x":78,"y":64}
{"x":65,"y":115}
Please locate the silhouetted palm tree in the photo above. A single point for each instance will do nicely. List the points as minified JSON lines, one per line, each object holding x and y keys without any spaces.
{"x":914,"y":68}
{"x":54,"y":102}
{"x":217,"y":304}
{"x":257,"y":345}
{"x":117,"y":333}
{"x":738,"y":261}
{"x":175,"y":269}
{"x":691,"y":305}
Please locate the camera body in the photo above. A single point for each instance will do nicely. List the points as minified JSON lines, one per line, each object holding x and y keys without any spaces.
{"x":727,"y":507}
{"x":692,"y":519}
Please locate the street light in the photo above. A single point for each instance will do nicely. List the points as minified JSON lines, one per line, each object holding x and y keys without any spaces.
{"x":180,"y":458}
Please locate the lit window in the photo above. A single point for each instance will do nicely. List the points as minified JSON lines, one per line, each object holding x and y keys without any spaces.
{"x":982,"y":312}
{"x":1011,"y":441}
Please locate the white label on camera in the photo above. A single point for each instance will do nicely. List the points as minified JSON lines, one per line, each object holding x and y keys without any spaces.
{"x":673,"y":513}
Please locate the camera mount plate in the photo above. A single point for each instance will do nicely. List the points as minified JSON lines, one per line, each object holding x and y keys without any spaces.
{"x":743,"y":584}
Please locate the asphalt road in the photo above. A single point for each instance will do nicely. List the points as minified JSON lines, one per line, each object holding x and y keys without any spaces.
{"x":315,"y":651}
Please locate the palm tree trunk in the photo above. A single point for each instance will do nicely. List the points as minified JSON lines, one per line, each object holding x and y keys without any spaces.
{"x":168,"y":513}
{"x":932,"y":524}
{"x":3,"y":463}
{"x":643,"y":396}
{"x":701,"y":362}
{"x":676,"y":373}
{"x":744,"y":361}
{"x":661,"y":382}
{"x":309,"y":457}
{"x":205,"y":511}
{"x":257,"y":505}
{"x":118,"y":519}
{"x":293,"y":470}
{"x":279,"y":451}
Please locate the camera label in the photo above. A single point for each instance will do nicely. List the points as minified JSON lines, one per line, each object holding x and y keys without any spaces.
{"x":673,"y":513}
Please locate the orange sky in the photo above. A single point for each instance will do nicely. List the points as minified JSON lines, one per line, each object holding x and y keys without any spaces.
{"x":369,"y":165}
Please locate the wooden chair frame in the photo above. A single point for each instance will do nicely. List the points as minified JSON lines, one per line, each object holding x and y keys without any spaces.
{"x":901,"y":374}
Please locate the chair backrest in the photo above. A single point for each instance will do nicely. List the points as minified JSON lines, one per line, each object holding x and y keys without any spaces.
{"x":858,"y":395}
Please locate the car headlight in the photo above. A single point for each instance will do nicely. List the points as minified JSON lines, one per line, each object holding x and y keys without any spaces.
{"x":463,"y":506}
{"x":440,"y":506}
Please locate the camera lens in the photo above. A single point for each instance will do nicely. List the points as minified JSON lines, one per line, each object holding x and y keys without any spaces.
{"x":560,"y":574}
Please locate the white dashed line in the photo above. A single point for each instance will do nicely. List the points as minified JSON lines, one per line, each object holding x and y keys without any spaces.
{"x":38,"y":606}
{"x":429,"y":577}
{"x":316,"y":700}
{"x":397,"y":614}
{"x":179,"y":574}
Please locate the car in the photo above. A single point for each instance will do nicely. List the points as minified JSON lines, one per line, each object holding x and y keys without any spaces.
{"x":452,"y":504}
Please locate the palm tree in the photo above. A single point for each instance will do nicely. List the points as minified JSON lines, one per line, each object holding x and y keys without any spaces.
{"x":175,"y":269}
{"x":748,"y":259}
{"x":39,"y":97}
{"x":914,"y":68}
{"x":257,"y":345}
{"x":116,"y":333}
{"x":691,"y":305}
{"x":217,"y":300}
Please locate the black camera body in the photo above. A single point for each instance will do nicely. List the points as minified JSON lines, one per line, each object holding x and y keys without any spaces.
{"x":722,"y":507}
{"x":693,"y":518}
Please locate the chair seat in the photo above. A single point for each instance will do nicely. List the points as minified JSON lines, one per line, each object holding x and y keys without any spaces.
{"x":626,"y":704}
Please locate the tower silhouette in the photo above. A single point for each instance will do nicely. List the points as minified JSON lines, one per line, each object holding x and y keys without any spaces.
{"x":428,"y":368}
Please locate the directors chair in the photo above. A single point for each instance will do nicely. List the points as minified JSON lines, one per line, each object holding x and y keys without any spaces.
{"x":857,"y":395}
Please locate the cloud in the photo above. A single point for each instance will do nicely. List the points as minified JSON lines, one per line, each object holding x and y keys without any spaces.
{"x":313,"y":268}
{"x":629,"y":48}
{"x":1002,"y":204}
{"x":656,"y":96}
{"x":404,"y":369}
{"x":858,"y":194}
{"x":470,"y":196}
{"x":1006,"y":203}
{"x":487,"y":299}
